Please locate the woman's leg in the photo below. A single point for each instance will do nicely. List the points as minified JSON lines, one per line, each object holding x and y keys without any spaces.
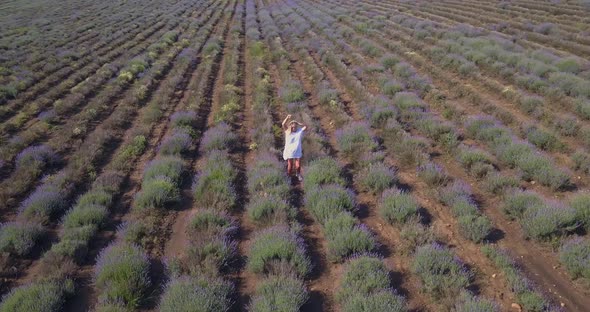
{"x":298,"y":165}
{"x":289,"y":166}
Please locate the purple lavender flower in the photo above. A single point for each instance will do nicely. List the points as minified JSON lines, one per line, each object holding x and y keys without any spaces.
{"x":42,"y":204}
{"x":176,"y":144}
{"x":219,"y":137}
{"x":37,"y":156}
{"x":183,"y":119}
{"x":47,"y":116}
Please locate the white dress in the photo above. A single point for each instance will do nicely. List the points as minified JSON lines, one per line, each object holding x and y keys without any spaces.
{"x":293,"y":144}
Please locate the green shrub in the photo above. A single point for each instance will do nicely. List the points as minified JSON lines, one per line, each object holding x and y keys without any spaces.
{"x":475,"y":228}
{"x":574,"y":254}
{"x":346,"y":238}
{"x":581,"y":204}
{"x":363,"y":275}
{"x":414,"y":234}
{"x":19,"y":238}
{"x":469,"y":157}
{"x":279,"y":293}
{"x":170,"y":167}
{"x":497,"y":183}
{"x":353,"y":138}
{"x":278,"y":245}
{"x":45,"y":296}
{"x":121,"y":275}
{"x":220,"y":137}
{"x":209,"y":254}
{"x":543,"y":139}
{"x":397,"y":207}
{"x":532,"y":105}
{"x":365,"y":287}
{"x":581,"y":161}
{"x":270,"y":210}
{"x":156,"y":193}
{"x":433,"y":175}
{"x":381,"y":301}
{"x":518,"y":202}
{"x":197,"y":294}
{"x":95,"y":197}
{"x":547,"y":221}
{"x":210,"y":223}
{"x":323,"y":171}
{"x":376,"y":178}
{"x":326,"y":201}
{"x":85,"y":215}
{"x":568,"y":65}
{"x":268,"y":181}
{"x":292,"y":91}
{"x":440,"y":272}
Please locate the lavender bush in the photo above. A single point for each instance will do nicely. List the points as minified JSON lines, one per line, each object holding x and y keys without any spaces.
{"x":323,"y":171}
{"x":278,"y":245}
{"x":291,"y":91}
{"x":517,"y":202}
{"x":475,"y":228}
{"x":183,"y":120}
{"x":346,"y":238}
{"x":268,"y":181}
{"x":353,"y":138}
{"x":121,"y":275}
{"x":365,"y":287}
{"x":44,"y":296}
{"x":548,"y":220}
{"x":433,"y":175}
{"x":526,"y":295}
{"x":42,"y":204}
{"x":270,"y":210}
{"x":581,"y":204}
{"x":156,"y":193}
{"x":279,"y":293}
{"x":376,"y":178}
{"x":442,"y":274}
{"x":178,"y":143}
{"x":210,"y":223}
{"x":18,"y":238}
{"x":37,"y":156}
{"x":414,"y":234}
{"x":209,"y":255}
{"x":210,"y":294}
{"x":219,"y":137}
{"x":213,"y":186}
{"x":574,"y":254}
{"x":397,"y":207}
{"x":171,"y":167}
{"x":326,"y":201}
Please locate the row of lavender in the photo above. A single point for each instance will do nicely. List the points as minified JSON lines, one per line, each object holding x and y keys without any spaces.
{"x":197,"y":275}
{"x":469,"y":221}
{"x":161,"y":191}
{"x":277,"y":254}
{"x":91,"y":212}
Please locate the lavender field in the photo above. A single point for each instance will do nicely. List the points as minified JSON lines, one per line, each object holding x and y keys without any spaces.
{"x":446,"y":162}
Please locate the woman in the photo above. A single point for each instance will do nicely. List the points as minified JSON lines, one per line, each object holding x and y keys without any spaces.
{"x":292,"y":152}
